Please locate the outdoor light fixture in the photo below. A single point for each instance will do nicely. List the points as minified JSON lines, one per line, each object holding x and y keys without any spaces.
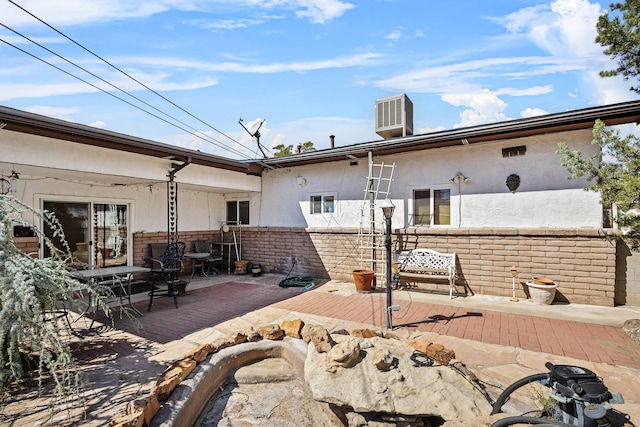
{"x":459,"y":178}
{"x":387,"y":211}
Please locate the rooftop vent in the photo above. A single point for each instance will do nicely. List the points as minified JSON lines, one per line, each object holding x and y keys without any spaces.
{"x":394,"y":116}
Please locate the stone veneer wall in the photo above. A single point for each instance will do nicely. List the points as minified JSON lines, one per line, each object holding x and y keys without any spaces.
{"x":581,"y":261}
{"x":30,"y":245}
{"x":142,"y":250}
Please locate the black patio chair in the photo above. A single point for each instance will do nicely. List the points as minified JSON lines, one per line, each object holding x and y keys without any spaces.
{"x":165,"y":270}
{"x":202,"y":246}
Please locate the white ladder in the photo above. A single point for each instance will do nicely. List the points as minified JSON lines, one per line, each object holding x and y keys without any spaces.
{"x":371,"y":236}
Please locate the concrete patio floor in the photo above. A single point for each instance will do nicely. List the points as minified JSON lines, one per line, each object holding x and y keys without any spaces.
{"x":499,"y":340}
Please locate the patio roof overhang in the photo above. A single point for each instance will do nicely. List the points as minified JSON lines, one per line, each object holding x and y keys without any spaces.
{"x":34,"y":124}
{"x":615,"y":114}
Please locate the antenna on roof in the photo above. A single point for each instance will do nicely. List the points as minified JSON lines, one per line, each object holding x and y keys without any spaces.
{"x":255,"y":132}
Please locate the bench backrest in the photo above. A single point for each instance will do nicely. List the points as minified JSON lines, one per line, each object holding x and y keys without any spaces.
{"x":428,"y":261}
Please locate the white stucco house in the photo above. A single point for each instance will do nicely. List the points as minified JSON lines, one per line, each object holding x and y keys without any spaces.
{"x":494,"y":194}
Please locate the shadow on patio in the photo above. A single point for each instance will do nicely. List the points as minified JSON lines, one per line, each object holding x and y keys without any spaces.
{"x":207,"y":302}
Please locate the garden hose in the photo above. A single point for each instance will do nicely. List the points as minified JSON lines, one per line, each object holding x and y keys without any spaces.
{"x":505,"y":422}
{"x":497,"y":406}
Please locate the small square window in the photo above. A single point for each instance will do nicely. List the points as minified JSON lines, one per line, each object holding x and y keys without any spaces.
{"x":432,"y":207}
{"x":238,"y":212}
{"x":320,"y":204}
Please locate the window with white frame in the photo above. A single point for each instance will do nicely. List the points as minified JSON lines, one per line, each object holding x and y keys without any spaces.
{"x":322,"y":203}
{"x":238,"y":212}
{"x":431,"y":207}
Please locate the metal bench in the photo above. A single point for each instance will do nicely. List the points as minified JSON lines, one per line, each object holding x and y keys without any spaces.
{"x":426,"y":264}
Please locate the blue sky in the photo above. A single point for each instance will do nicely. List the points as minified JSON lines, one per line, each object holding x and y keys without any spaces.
{"x":309,"y":68}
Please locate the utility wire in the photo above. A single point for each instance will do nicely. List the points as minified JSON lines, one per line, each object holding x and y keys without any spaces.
{"x":123,"y":72}
{"x":193,"y":131}
{"x":102,"y":90}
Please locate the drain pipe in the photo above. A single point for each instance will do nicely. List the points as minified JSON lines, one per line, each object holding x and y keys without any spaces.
{"x":177,"y":168}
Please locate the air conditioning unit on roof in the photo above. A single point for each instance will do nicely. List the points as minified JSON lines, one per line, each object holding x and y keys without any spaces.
{"x":394,"y":116}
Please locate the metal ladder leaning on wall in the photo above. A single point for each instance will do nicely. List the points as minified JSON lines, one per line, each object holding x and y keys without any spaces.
{"x":371,"y":237}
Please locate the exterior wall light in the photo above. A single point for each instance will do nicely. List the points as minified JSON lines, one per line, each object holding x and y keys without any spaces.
{"x":459,"y":178}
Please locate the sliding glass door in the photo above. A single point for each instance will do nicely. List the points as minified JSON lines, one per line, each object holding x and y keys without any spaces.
{"x":109,"y":234}
{"x":99,"y":239}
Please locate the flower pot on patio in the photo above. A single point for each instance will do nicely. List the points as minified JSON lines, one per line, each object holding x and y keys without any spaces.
{"x":542,"y":290}
{"x":241,"y":266}
{"x":256,"y":270}
{"x":363,"y":280}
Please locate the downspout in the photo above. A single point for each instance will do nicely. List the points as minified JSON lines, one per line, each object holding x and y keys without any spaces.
{"x":172,"y":202}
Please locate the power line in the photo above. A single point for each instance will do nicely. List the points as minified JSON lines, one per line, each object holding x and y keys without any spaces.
{"x":107,"y":92}
{"x":129,"y":76}
{"x":193,"y":131}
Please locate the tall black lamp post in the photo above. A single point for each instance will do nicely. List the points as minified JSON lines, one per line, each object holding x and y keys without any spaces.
{"x":387,"y":210}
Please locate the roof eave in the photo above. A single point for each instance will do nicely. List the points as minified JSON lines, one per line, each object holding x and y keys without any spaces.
{"x":29,"y":123}
{"x":614,"y":114}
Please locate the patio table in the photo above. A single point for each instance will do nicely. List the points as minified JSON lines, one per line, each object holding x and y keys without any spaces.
{"x":108,"y":273}
{"x":197,"y":256}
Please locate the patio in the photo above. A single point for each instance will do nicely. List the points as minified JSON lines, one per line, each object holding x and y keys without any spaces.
{"x":499,"y":340}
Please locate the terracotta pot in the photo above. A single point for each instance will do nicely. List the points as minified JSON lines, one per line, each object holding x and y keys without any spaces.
{"x":363,"y":280}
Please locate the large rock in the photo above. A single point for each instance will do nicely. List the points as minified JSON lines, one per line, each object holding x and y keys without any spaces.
{"x":405,"y":388}
{"x":319,"y":336}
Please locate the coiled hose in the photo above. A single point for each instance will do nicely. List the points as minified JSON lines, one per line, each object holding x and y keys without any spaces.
{"x":505,"y":422}
{"x":497,"y":406}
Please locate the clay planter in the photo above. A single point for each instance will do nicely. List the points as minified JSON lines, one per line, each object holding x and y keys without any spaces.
{"x":241,"y":266}
{"x":363,"y":280}
{"x":542,"y":290}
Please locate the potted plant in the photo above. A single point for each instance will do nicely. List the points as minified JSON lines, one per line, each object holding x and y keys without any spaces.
{"x":256,"y":270}
{"x":363,"y":280}
{"x":241,"y":266}
{"x":542,"y":290}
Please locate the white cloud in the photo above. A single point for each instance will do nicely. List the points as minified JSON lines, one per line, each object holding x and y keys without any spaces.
{"x":469,"y":76}
{"x":423,"y":130}
{"x":532,"y":112}
{"x":80,"y":12}
{"x":321,"y":11}
{"x":337,"y":62}
{"x":315,"y":129}
{"x":98,"y":124}
{"x":565,"y":28}
{"x":394,"y":35}
{"x":57,"y":112}
{"x":43,"y":90}
{"x":484,"y":107}
{"x":225,"y":24}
